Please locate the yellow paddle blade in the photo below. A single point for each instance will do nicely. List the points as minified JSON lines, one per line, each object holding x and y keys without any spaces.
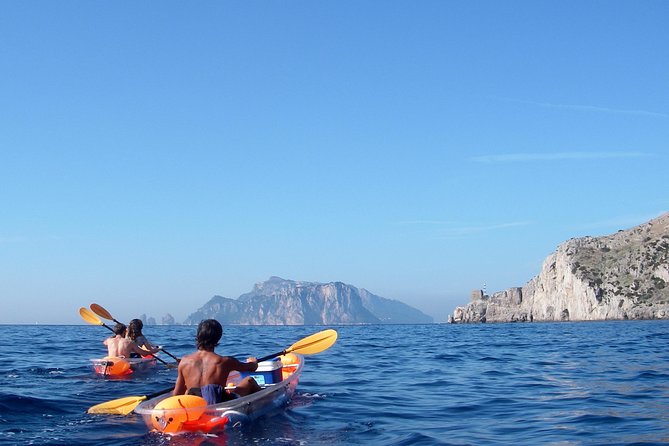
{"x":89,"y":317}
{"x":121,"y":406}
{"x":100,"y":311}
{"x":315,"y":343}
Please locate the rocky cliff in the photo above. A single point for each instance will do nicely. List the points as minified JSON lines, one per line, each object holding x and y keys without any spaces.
{"x":619,"y":276}
{"x":286,"y":302}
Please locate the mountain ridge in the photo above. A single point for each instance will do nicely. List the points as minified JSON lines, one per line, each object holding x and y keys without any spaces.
{"x":278,"y":301}
{"x":624,"y":275}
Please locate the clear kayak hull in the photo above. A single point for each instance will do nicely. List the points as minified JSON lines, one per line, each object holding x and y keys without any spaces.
{"x":191,"y":414}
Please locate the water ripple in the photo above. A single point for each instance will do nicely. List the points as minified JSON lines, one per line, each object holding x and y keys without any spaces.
{"x":562,"y":384}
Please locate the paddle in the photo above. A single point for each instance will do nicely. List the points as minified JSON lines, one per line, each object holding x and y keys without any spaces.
{"x":123,"y":406}
{"x":310,"y":345}
{"x":94,"y":320}
{"x":103,"y":313}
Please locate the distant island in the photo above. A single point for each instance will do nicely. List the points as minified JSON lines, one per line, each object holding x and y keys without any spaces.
{"x":286,"y":302}
{"x":615,"y":277}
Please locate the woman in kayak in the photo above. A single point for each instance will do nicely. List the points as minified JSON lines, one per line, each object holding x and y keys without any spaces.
{"x":120,"y":346}
{"x":135,"y":335}
{"x":205,"y":373}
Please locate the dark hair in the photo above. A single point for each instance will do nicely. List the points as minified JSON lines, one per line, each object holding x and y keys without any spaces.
{"x":135,"y":328}
{"x":209,"y":332}
{"x":119,"y":329}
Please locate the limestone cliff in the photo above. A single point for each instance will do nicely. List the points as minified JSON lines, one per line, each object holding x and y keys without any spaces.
{"x":286,"y":302}
{"x":619,"y":276}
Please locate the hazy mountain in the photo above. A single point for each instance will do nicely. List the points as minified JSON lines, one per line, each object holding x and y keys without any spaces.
{"x":287,"y":302}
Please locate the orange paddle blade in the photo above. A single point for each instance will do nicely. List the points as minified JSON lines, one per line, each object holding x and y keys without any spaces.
{"x":100,"y":311}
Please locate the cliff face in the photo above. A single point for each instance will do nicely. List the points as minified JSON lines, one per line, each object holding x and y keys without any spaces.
{"x":619,"y":276}
{"x":286,"y":302}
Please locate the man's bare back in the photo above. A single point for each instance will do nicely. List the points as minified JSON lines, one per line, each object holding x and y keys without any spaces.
{"x":206,"y":372}
{"x":205,"y":367}
{"x":123,"y":347}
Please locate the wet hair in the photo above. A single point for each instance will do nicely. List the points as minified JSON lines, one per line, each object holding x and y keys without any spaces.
{"x":135,"y":329}
{"x":209,"y":332}
{"x":119,"y":329}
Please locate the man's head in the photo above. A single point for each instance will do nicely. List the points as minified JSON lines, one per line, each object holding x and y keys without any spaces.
{"x":209,"y":332}
{"x":120,"y":329}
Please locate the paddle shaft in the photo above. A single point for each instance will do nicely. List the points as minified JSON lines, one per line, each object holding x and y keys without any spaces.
{"x":170,"y":354}
{"x":158,"y":393}
{"x":273,"y":355}
{"x":107,"y":327}
{"x":123,"y":406}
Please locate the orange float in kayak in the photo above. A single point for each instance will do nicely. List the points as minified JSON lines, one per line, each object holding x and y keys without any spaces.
{"x":117,"y":366}
{"x":170,"y":414}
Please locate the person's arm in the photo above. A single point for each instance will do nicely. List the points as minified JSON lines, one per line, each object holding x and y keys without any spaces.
{"x":141,"y":351}
{"x":251,"y":365}
{"x":107,"y":344}
{"x":142,"y":341}
{"x":180,"y":385}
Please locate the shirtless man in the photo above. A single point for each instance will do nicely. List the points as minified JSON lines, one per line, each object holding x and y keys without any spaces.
{"x":120,"y":346}
{"x":205,"y":373}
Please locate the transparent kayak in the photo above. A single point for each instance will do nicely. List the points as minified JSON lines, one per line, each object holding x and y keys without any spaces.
{"x":118,"y":366}
{"x":187,"y":413}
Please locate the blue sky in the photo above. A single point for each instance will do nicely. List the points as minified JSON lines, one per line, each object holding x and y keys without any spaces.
{"x":154,"y":154}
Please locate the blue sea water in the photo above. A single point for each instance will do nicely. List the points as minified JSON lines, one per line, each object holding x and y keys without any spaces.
{"x":543,"y":383}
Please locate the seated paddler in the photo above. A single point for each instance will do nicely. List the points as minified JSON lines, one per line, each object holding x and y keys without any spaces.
{"x":205,"y":373}
{"x":120,"y":346}
{"x":135,"y":334}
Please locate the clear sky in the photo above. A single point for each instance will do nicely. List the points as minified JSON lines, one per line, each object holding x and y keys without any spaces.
{"x":155,"y":154}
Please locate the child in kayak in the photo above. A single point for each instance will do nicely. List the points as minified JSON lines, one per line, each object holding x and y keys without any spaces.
{"x":135,"y":335}
{"x":205,"y":373}
{"x":122,"y":347}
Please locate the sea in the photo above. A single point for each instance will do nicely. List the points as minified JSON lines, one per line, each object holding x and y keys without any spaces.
{"x":571,"y":383}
